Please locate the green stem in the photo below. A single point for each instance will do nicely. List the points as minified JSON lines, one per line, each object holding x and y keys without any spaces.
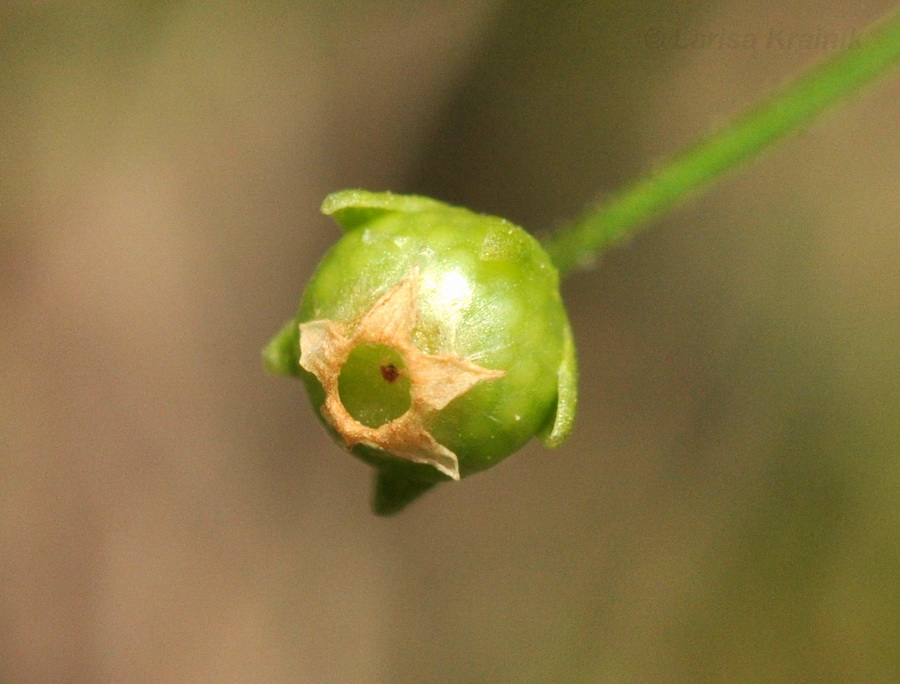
{"x":787,"y":111}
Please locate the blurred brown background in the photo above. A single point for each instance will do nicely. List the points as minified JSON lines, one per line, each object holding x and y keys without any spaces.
{"x":729,"y":507}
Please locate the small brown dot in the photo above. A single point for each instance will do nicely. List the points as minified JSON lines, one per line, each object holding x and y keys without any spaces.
{"x":390,"y":372}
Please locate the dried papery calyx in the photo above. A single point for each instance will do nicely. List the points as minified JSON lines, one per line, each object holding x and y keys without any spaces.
{"x":432,"y":341}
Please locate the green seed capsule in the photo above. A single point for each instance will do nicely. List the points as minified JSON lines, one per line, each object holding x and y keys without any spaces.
{"x":432,"y":341}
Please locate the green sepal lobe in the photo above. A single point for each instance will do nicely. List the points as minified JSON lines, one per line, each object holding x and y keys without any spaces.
{"x":566,"y":395}
{"x":353,"y":208}
{"x":281,"y":355}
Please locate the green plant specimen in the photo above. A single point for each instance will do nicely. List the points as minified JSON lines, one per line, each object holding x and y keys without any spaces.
{"x":432,"y":340}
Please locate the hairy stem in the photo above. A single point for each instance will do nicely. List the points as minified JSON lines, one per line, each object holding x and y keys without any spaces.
{"x":789,"y":110}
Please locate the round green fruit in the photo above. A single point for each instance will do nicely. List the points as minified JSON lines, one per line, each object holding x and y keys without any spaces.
{"x":433,"y":341}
